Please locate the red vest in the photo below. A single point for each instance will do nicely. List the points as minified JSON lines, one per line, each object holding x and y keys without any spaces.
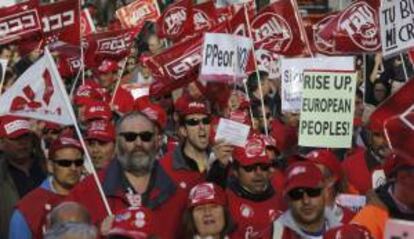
{"x":253,"y":219}
{"x":35,"y":206}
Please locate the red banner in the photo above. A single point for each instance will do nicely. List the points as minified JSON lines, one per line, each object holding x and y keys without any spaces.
{"x":86,"y":23}
{"x":175,"y":20}
{"x":137,"y":13}
{"x":204,"y":16}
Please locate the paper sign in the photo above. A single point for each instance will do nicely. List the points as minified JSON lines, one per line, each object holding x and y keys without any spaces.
{"x":327,"y":113}
{"x":397,"y":24}
{"x":351,"y":201}
{"x":139,"y":92}
{"x":232,"y":132}
{"x":378,"y":178}
{"x":292,"y":76}
{"x":399,"y":229}
{"x":224,"y":57}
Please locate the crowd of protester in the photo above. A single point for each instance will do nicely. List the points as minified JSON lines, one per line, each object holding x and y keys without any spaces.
{"x":165,"y":176}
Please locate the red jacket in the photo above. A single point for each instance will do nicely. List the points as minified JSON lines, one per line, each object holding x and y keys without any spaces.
{"x":35,"y":206}
{"x":166,"y":201}
{"x":253,"y":218}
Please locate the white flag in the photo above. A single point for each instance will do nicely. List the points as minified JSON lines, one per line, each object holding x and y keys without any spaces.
{"x":39,"y":93}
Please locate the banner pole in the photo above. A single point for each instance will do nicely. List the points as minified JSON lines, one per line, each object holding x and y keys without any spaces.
{"x":404,"y":67}
{"x":81,"y":47}
{"x":72,"y":90}
{"x":246,"y":15}
{"x":118,"y":82}
{"x":73,"y":117}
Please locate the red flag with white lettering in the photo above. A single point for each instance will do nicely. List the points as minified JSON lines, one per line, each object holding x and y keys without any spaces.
{"x":175,"y":20}
{"x":68,"y":60}
{"x":136,"y":13}
{"x":19,"y":21}
{"x":86,"y":23}
{"x":44,"y":99}
{"x":204,"y":17}
{"x":61,"y":22}
{"x":276,"y":28}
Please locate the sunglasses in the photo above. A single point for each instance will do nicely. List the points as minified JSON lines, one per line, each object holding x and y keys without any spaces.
{"x":195,"y":122}
{"x":67,"y":162}
{"x":145,"y":136}
{"x":253,"y":167}
{"x":297,"y":194}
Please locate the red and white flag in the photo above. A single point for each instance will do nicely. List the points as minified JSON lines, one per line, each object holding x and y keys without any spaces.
{"x":86,"y":23}
{"x":175,"y":21}
{"x":39,"y":93}
{"x":204,"y":17}
{"x":136,"y":13}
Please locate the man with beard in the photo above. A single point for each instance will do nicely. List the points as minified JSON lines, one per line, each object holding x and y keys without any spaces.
{"x":306,"y":217}
{"x":65,"y":165}
{"x":253,"y":202}
{"x":187,"y":164}
{"x":134,"y":178}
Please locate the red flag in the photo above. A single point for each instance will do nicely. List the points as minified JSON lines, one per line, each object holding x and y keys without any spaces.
{"x":174,"y":21}
{"x":86,"y":23}
{"x":204,"y":17}
{"x":355,"y":29}
{"x":114,"y":45}
{"x":19,"y":21}
{"x":319,"y":44}
{"x":68,"y":60}
{"x":224,"y":14}
{"x":61,"y":22}
{"x":136,"y":13}
{"x":277,"y":29}
{"x":411,"y":56}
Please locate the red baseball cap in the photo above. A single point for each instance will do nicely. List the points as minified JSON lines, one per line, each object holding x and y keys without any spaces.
{"x":302,"y":175}
{"x":101,"y":130}
{"x":134,"y":223}
{"x":14,"y":126}
{"x":65,"y":140}
{"x":97,"y":110}
{"x":206,"y":193}
{"x":328,"y":159}
{"x":153,"y":111}
{"x":193,"y":107}
{"x":252,"y":153}
{"x":348,"y":231}
{"x":107,"y":66}
{"x":85,"y":94}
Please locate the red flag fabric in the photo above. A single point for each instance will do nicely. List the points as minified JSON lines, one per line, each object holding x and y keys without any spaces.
{"x":114,"y":45}
{"x":277,"y":29}
{"x":136,"y":13}
{"x":204,"y":17}
{"x":411,"y":56}
{"x":224,"y":14}
{"x":86,"y":23}
{"x":313,"y":28}
{"x":68,"y":60}
{"x":400,"y":134}
{"x":61,"y":22}
{"x":175,"y":20}
{"x":19,"y":21}
{"x":355,"y":29}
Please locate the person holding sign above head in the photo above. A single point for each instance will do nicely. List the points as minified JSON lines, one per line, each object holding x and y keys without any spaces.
{"x":306,"y":217}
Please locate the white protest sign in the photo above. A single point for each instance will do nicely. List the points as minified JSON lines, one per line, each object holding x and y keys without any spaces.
{"x":399,"y":229}
{"x":351,"y":201}
{"x":292,"y":76}
{"x":232,"y":132}
{"x":327,"y":112}
{"x":224,"y":57}
{"x":397,"y":26}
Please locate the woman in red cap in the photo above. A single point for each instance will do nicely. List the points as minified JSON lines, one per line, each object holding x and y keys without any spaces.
{"x":207,"y":215}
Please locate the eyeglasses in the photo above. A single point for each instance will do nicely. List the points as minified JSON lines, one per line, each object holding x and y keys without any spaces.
{"x":298,"y":193}
{"x":253,"y":167}
{"x":67,"y":162}
{"x":195,"y":122}
{"x":145,"y":136}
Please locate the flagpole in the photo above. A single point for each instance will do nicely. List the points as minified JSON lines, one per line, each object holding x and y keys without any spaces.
{"x":250,"y":105}
{"x":302,"y":27}
{"x":81,"y":47}
{"x":72,"y":90}
{"x":249,"y":29}
{"x":78,"y":132}
{"x":118,"y":82}
{"x":404,"y":67}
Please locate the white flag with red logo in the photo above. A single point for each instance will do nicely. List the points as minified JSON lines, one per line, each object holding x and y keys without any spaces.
{"x":136,"y":13}
{"x":38,"y":93}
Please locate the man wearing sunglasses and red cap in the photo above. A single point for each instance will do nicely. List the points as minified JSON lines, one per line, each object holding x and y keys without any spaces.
{"x":306,"y":216}
{"x":253,"y":202}
{"x":65,"y":165}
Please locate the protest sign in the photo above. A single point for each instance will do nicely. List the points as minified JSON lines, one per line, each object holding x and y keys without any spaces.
{"x":292,"y":76}
{"x":399,"y":229}
{"x":351,"y":201}
{"x":327,"y":111}
{"x":397,"y":26}
{"x":232,"y":132}
{"x":224,"y":57}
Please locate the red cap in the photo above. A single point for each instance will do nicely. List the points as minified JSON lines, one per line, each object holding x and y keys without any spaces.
{"x":85,"y":94}
{"x":107,"y":66}
{"x":206,"y":193}
{"x":252,"y":153}
{"x":133,"y":223}
{"x":328,"y":159}
{"x":302,"y":175}
{"x":348,"y":231}
{"x":153,"y":111}
{"x":101,"y":130}
{"x":193,"y":107}
{"x":65,"y":140}
{"x":98,"y":110}
{"x":13,"y":126}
